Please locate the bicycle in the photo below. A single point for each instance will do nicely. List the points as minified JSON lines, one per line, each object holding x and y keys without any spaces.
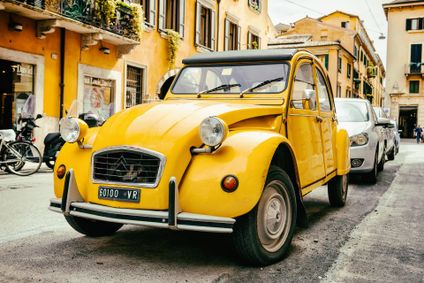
{"x":18,"y":157}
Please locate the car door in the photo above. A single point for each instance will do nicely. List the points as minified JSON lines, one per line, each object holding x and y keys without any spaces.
{"x":328,"y":121}
{"x":303,"y":125}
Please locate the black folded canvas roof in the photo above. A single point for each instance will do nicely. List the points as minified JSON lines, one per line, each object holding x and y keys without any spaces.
{"x":241,"y":56}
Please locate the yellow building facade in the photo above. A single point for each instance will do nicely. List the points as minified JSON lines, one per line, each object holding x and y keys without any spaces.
{"x":341,"y":42}
{"x":55,"y":52}
{"x":405,"y":63}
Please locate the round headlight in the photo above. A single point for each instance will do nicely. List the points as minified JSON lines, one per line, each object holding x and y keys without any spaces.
{"x":69,"y":129}
{"x":213,"y":131}
{"x":360,"y":139}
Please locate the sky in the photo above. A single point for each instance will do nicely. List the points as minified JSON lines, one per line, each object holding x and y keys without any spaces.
{"x":370,"y":11}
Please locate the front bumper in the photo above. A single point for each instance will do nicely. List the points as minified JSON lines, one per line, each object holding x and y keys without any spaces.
{"x":365,"y":153}
{"x":73,"y":204}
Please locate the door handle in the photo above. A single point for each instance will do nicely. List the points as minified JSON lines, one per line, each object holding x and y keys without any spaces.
{"x":319,"y":119}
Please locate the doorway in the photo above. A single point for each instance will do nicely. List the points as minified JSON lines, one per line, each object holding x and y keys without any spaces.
{"x":407,"y":120}
{"x":16,"y":87}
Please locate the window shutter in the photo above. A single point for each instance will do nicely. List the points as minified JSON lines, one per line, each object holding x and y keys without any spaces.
{"x":408,"y":24}
{"x":259,"y":43}
{"x":238,"y":38}
{"x":421,"y":23}
{"x":162,"y":13}
{"x":182,"y":18}
{"x":227,"y":34}
{"x":198,"y":11}
{"x":249,"y":40}
{"x":213,"y":47}
{"x":152,"y":12}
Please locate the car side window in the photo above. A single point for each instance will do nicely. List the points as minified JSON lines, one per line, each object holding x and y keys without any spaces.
{"x":304,"y":80}
{"x":323,"y":93}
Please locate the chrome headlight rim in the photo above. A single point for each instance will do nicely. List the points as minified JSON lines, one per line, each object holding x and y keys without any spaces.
{"x":69,"y":124}
{"x":213,"y":131}
{"x":359,"y":139}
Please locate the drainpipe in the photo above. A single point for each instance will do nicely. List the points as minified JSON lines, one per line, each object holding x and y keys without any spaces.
{"x":217,"y":20}
{"x":62,"y":70}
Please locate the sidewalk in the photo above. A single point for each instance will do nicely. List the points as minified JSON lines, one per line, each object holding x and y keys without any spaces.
{"x":388,"y":246}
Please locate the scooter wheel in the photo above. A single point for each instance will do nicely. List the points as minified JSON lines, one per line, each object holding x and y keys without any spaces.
{"x":50,"y":163}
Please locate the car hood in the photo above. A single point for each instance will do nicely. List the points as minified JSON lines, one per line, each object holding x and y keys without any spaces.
{"x":172,"y":124}
{"x":354,"y":128}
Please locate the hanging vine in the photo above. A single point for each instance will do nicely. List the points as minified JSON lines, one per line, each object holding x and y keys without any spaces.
{"x":173,"y":45}
{"x":137,"y":20}
{"x":105,"y":10}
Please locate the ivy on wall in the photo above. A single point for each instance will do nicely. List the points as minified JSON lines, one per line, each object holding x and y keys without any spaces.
{"x":173,"y":45}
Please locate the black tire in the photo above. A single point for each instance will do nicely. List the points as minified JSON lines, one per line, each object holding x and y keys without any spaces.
{"x":260,"y":242}
{"x":92,"y":228}
{"x":371,"y":177}
{"x":50,"y":163}
{"x":391,"y":154}
{"x":28,"y":154}
{"x":380,"y":166}
{"x":337,"y":190}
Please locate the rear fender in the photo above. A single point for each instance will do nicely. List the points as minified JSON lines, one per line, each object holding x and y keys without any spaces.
{"x":244,"y":154}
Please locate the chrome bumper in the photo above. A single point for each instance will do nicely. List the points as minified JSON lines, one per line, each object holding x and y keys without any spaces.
{"x":174,"y":218}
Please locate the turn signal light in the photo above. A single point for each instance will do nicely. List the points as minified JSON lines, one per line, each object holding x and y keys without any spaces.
{"x":229,"y":183}
{"x":61,"y":171}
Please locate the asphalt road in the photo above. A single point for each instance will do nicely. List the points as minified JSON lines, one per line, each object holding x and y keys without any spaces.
{"x":377,"y":237}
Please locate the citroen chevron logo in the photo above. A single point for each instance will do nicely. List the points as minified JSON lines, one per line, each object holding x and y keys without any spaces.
{"x":121,"y":164}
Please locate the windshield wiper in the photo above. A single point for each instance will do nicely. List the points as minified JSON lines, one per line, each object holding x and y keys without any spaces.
{"x":221,"y":87}
{"x":264,"y":83}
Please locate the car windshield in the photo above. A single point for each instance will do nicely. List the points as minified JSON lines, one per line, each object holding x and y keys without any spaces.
{"x":352,"y":111}
{"x":232,"y":79}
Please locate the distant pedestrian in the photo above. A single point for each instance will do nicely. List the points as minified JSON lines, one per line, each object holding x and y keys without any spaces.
{"x":418,"y":132}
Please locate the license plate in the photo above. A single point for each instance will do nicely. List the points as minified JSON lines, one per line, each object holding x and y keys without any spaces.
{"x":128,"y":195}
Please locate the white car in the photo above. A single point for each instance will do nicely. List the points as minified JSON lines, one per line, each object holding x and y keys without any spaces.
{"x":389,"y":136}
{"x":367,"y":136}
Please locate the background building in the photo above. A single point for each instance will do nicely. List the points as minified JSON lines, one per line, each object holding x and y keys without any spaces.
{"x":342,"y":43}
{"x":110,"y":54}
{"x":405,"y":63}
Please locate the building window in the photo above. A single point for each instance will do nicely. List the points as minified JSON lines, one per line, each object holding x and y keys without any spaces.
{"x":205,"y":26}
{"x":416,"y":58}
{"x":355,"y":51}
{"x":414,"y":86}
{"x":253,"y":41}
{"x":339,"y":64}
{"x":348,"y":93}
{"x":149,"y":8}
{"x":362,"y":56}
{"x":324,"y":60}
{"x":99,"y":96}
{"x":415,"y":24}
{"x":134,"y":91}
{"x":232,"y":35}
{"x":255,"y":4}
{"x":172,"y":15}
{"x":339,"y":91}
{"x":345,"y":24}
{"x":349,"y":70}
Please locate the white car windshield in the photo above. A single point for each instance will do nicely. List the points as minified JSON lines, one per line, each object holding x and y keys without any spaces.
{"x":352,"y":111}
{"x":232,"y":79}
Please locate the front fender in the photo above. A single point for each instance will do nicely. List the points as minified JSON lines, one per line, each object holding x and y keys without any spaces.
{"x":343,"y":152}
{"x":244,"y":154}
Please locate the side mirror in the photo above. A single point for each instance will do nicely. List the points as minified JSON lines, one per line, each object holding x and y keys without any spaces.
{"x":39,"y":116}
{"x":383,"y":122}
{"x":308,"y":99}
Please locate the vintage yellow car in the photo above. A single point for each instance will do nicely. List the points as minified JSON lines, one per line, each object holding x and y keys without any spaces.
{"x":238,"y":142}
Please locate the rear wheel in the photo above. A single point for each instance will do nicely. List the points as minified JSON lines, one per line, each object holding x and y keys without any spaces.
{"x":263,"y":236}
{"x":380,"y":166}
{"x":92,"y":228}
{"x":337,"y":190}
{"x":391,"y":154}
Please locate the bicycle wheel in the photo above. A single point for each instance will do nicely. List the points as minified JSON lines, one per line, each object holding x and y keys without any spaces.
{"x":22,"y":158}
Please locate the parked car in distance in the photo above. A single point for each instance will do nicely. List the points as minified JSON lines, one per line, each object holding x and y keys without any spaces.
{"x":366,"y":133}
{"x":240,"y":139}
{"x":396,"y":135}
{"x":389,"y":136}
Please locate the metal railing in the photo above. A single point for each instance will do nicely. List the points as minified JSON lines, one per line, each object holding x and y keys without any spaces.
{"x":414,"y":69}
{"x":85,"y":12}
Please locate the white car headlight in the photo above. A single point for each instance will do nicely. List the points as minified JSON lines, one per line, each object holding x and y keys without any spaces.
{"x":360,"y":139}
{"x":213,"y":131}
{"x":69,"y":129}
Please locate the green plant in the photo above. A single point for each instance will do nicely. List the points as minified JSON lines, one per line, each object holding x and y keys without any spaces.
{"x":105,"y":10}
{"x":137,"y":19}
{"x":173,"y":45}
{"x":255,"y":45}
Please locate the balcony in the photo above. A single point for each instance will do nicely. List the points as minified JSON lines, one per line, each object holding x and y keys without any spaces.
{"x":80,"y":16}
{"x":413,"y":69}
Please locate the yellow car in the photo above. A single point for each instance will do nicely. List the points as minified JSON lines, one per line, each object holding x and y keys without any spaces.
{"x":238,"y":142}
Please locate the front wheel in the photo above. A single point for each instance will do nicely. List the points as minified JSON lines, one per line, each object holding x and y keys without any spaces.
{"x":371,"y":177}
{"x":391,"y":154}
{"x":22,"y":158}
{"x":92,"y":228}
{"x":263,"y":236}
{"x":337,"y":190}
